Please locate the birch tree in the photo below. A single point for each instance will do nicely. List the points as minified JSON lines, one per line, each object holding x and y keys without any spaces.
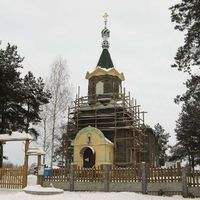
{"x":59,"y":85}
{"x":44,"y":139}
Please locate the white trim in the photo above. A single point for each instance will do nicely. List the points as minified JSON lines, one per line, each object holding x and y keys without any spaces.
{"x":15,"y":136}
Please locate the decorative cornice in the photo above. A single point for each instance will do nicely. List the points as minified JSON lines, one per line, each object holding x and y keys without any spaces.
{"x":99,"y":72}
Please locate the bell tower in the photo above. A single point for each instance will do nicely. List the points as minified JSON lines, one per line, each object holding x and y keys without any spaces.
{"x":105,"y":80}
{"x":107,"y":125}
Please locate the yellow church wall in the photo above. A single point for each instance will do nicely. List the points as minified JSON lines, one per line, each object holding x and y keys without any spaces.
{"x":101,"y":146}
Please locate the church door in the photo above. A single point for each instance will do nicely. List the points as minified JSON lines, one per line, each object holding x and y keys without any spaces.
{"x":88,"y":158}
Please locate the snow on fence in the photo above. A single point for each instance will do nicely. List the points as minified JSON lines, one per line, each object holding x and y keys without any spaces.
{"x":12,"y":178}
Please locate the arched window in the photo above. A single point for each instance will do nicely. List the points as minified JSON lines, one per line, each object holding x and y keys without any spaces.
{"x":99,"y":88}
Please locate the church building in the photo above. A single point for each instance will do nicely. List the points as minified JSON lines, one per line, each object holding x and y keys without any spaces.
{"x":107,"y":124}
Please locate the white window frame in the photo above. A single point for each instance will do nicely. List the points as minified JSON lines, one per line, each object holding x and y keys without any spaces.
{"x":100,"y":87}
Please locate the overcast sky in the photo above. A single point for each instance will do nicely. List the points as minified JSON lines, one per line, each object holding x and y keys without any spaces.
{"x":143,"y":44}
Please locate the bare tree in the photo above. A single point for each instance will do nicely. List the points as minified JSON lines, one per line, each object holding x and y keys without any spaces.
{"x":55,"y":113}
{"x":45,"y":136}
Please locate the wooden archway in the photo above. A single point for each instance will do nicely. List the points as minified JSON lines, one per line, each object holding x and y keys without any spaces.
{"x":24,"y":137}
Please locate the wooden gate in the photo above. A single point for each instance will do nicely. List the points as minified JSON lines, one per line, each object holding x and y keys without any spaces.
{"x":12,"y":178}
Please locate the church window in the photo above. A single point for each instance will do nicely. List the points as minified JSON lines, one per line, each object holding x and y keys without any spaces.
{"x":99,"y":88}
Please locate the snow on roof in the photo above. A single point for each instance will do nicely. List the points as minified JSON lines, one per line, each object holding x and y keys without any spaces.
{"x":35,"y":151}
{"x":15,"y":136}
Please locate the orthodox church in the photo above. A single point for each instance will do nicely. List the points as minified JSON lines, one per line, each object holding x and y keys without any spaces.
{"x":107,"y":124}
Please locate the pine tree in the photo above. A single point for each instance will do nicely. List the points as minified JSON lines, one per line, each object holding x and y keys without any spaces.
{"x":163,"y":139}
{"x":10,"y":90}
{"x":10,"y":86}
{"x":186,"y":17}
{"x":34,"y":96}
{"x":188,"y":125}
{"x":20,"y":99}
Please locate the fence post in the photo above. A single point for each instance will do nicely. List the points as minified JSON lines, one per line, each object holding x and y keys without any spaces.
{"x":26,"y":156}
{"x":106,"y":177}
{"x":39,"y":175}
{"x":144,"y":180}
{"x":71,"y":172}
{"x":184,"y":182}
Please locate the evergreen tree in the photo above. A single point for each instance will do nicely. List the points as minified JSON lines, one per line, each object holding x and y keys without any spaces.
{"x":186,"y":17}
{"x":10,"y":87}
{"x":63,"y":150}
{"x":34,"y":96}
{"x":162,"y":146}
{"x":188,"y":125}
{"x":10,"y":84}
{"x":20,"y":99}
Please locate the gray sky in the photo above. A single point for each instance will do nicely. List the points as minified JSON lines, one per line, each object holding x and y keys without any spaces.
{"x":143,"y":44}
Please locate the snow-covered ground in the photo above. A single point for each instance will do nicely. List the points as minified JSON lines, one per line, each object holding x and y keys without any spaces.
{"x":84,"y":196}
{"x":20,"y":195}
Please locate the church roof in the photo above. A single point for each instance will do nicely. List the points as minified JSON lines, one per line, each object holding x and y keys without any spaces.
{"x":100,"y":71}
{"x":105,"y":65}
{"x":105,"y":60}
